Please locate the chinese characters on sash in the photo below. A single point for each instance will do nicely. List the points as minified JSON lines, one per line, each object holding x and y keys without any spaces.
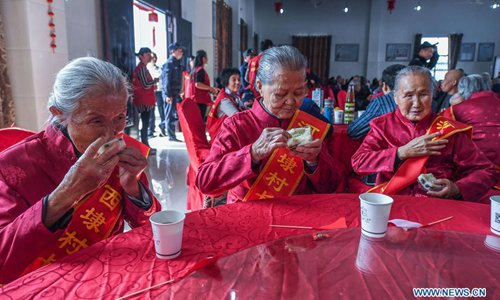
{"x":283,"y":171}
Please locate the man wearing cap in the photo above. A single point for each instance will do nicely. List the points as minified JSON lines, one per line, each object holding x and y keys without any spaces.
{"x":427,"y":56}
{"x":171,"y":77}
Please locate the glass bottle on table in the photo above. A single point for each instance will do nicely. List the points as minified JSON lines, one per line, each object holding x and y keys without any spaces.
{"x":349,"y":105}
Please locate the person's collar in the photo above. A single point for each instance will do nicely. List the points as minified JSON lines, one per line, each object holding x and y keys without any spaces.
{"x":267,"y":117}
{"x":60,"y":143}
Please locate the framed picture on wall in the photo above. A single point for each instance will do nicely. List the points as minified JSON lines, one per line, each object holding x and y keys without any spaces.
{"x":485,"y":51}
{"x":467,"y":52}
{"x":397,"y":52}
{"x":346,"y":52}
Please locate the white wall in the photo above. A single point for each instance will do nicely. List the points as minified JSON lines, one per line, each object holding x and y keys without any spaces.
{"x":370,"y":24}
{"x":199,"y":13}
{"x":84,"y":29}
{"x":32,"y":64}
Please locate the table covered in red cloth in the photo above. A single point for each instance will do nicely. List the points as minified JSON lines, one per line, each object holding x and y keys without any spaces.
{"x":126,"y":263}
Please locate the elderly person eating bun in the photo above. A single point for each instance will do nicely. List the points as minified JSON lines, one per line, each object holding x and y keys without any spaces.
{"x":251,"y":158}
{"x":413,"y":142}
{"x":74,"y":183}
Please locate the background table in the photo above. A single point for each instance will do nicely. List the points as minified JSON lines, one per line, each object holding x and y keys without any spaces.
{"x":126,"y":263}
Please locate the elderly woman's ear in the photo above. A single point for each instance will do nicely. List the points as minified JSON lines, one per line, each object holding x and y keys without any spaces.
{"x":55,"y":111}
{"x":258,"y":84}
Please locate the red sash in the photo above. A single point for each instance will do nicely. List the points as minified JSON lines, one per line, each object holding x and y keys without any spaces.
{"x":214,"y":122}
{"x":283,"y":171}
{"x":411,"y":168}
{"x":94,"y":217}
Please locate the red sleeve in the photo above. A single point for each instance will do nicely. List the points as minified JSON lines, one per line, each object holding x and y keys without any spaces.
{"x":375,"y":154}
{"x":227,"y":165}
{"x":23,"y":236}
{"x":325,"y":178}
{"x":476,"y":174}
{"x":137,"y":216}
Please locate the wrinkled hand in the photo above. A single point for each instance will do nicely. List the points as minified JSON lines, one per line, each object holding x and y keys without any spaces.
{"x":271,"y":138}
{"x":90,"y":172}
{"x":169,"y":100}
{"x":309,"y":152}
{"x":132,"y":163}
{"x":421,"y":146}
{"x":448,"y":190}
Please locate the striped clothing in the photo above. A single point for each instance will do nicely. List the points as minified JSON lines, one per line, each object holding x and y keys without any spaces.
{"x":377,"y":107}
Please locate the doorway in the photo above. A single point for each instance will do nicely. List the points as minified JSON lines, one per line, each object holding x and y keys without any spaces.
{"x":153,"y":28}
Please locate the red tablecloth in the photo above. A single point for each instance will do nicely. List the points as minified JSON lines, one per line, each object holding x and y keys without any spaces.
{"x":127,"y":263}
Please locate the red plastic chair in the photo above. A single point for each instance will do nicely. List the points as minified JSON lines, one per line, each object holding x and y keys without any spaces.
{"x":13,"y":135}
{"x":197,"y":146}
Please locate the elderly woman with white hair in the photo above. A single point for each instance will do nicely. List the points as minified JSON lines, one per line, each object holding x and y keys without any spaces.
{"x":411,"y":141}
{"x":252,"y":157}
{"x":480,"y":108}
{"x":73,"y":184}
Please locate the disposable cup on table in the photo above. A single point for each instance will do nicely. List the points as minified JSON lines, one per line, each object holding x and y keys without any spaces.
{"x":375,"y":210}
{"x":167,"y":229}
{"x":495,"y":214}
{"x":338,"y":116}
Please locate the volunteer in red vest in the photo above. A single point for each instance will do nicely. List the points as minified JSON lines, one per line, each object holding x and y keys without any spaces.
{"x":62,"y":190}
{"x":144,"y":92}
{"x":412,"y":141}
{"x":186,"y":89}
{"x":250,"y":157}
{"x":228,"y":101}
{"x":201,"y":87}
{"x":253,"y":66}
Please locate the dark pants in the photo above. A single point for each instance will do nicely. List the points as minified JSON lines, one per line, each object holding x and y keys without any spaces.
{"x":152,"y":120}
{"x":203,"y":110}
{"x":145,"y":125}
{"x":160,"y":103}
{"x":171,"y":116}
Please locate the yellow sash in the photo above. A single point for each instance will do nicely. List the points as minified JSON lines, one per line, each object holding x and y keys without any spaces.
{"x":283,"y":171}
{"x":411,"y":168}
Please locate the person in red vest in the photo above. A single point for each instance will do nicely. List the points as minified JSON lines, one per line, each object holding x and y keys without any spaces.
{"x":228,"y":101}
{"x":74,"y":183}
{"x":201,"y":87}
{"x":144,"y":93}
{"x":253,"y":67}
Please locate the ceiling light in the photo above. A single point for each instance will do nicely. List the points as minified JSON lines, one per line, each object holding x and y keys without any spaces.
{"x":346,"y":7}
{"x":495,"y":5}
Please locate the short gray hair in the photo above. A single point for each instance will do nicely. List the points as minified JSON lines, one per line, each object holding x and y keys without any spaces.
{"x":414,"y":70}
{"x":471,"y":84}
{"x":85,"y":77}
{"x":280,"y":58}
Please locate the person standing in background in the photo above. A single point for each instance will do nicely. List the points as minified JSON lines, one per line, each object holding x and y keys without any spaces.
{"x":201,"y":81}
{"x":144,"y":96}
{"x":155,"y":72}
{"x":187,"y":90}
{"x":172,"y":86}
{"x":426,"y":57}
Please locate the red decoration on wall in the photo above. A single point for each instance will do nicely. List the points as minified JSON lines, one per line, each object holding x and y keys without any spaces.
{"x":277,"y":7}
{"x":391,"y":4}
{"x":52,"y":27}
{"x":153,"y":17}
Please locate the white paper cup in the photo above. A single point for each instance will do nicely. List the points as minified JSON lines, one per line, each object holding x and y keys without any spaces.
{"x":495,"y":214}
{"x":338,"y":116}
{"x":375,"y":210}
{"x":167,"y":228}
